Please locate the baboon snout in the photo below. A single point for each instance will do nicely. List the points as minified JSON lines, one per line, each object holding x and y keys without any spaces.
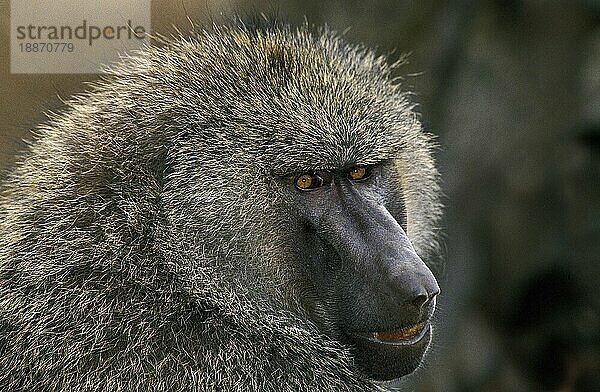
{"x":418,"y":290}
{"x":406,"y":284}
{"x":371,"y":263}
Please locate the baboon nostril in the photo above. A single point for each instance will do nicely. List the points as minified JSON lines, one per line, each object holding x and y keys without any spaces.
{"x":420,"y":299}
{"x":434,"y":294}
{"x":423,"y":297}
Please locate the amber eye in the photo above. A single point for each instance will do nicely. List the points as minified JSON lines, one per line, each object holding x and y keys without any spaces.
{"x":358,"y":173}
{"x":306,"y":182}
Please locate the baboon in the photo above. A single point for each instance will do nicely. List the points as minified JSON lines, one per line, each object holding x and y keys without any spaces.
{"x":244,"y":209}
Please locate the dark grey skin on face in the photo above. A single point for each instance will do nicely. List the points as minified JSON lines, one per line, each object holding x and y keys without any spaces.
{"x":365,"y":277}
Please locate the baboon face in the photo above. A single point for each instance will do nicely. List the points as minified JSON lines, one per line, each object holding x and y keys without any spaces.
{"x":363,"y":281}
{"x":316,"y":170}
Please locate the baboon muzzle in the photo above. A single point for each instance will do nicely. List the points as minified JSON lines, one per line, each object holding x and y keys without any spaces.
{"x":378,"y":262}
{"x":385,"y":291}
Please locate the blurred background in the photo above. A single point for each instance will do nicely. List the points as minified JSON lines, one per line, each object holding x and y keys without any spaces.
{"x":512,"y":90}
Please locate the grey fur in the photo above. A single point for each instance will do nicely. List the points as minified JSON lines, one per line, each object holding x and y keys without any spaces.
{"x":142,"y":240}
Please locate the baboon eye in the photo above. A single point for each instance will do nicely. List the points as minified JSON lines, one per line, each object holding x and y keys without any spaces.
{"x":358,"y":173}
{"x":307,"y":182}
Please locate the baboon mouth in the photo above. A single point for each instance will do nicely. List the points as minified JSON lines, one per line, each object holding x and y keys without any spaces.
{"x":408,"y":335}
{"x":391,"y":354}
{"x":404,"y":337}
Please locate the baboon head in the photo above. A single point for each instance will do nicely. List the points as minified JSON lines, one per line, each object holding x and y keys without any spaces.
{"x":303,"y":163}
